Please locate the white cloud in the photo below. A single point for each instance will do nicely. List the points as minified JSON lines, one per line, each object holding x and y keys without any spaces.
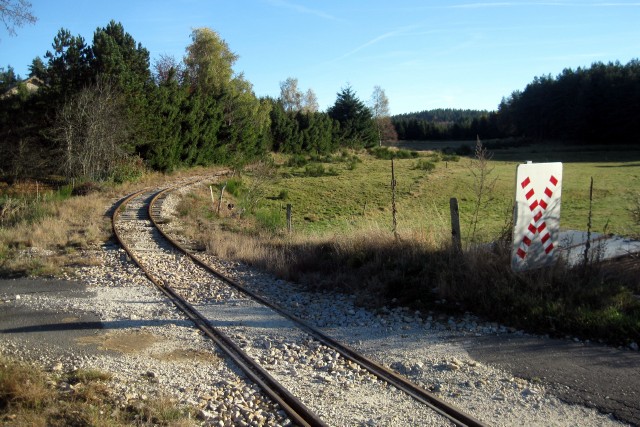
{"x":303,"y":9}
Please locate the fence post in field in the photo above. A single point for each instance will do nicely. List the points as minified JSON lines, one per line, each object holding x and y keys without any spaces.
{"x":393,"y":201}
{"x":221,"y":194}
{"x":213,"y":201}
{"x":455,"y":225}
{"x":587,"y":246}
{"x":289,"y":217}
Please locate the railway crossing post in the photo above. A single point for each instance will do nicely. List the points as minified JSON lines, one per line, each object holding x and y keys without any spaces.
{"x":536,"y":215}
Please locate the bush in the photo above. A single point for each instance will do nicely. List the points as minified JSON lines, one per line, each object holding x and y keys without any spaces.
{"x":318,"y":170}
{"x":284,"y":194}
{"x":384,"y":153}
{"x":450,"y":158}
{"x":233,"y":187}
{"x":85,"y":189}
{"x":130,"y":169}
{"x":425,"y":165}
{"x":434,"y":156}
{"x":315,"y":170}
{"x":297,"y":161}
{"x":353,"y":163}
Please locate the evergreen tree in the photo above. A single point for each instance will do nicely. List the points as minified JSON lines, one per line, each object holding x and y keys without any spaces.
{"x":116,"y":54}
{"x":356,"y":125}
{"x":163,"y":149}
{"x":68,"y":66}
{"x":284,"y":129}
{"x":8,"y":78}
{"x":38,"y":68}
{"x":118,"y":58}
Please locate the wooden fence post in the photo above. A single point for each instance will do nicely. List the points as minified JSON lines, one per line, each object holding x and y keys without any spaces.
{"x":455,"y":225}
{"x":587,"y":245}
{"x":213,"y":200}
{"x":289,"y":217}
{"x":221,"y":194}
{"x":393,"y":201}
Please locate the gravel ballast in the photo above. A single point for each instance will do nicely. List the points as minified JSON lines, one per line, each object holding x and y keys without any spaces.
{"x":177,"y":361}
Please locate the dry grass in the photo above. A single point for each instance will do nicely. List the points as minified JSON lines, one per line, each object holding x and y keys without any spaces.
{"x":46,"y":245}
{"x":47,"y":233}
{"x":33,"y":397}
{"x":22,"y":386}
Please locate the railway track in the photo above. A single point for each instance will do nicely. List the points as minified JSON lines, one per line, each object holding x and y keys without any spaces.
{"x":244,"y":325}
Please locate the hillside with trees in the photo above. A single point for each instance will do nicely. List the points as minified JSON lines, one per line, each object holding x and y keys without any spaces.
{"x":598,"y":104}
{"x":446,"y":125}
{"x":102,"y":111}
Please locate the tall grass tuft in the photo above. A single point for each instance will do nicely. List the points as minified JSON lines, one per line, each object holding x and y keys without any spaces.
{"x":30,"y":396}
{"x":21,"y":386}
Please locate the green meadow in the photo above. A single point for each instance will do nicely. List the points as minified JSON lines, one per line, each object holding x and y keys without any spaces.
{"x":354,"y":195}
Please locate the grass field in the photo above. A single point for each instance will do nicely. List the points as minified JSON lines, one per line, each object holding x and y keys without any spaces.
{"x":360,"y":197}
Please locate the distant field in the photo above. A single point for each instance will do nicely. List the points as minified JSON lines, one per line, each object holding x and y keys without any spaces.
{"x":360,"y":197}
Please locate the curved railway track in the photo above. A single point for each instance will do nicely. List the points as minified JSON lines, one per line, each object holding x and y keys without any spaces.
{"x":136,"y":224}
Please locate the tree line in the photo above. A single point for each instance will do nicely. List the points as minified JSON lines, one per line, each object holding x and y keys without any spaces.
{"x":101,"y":112}
{"x":598,"y":104}
{"x":446,"y":125}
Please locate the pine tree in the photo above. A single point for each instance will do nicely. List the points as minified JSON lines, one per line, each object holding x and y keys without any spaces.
{"x":356,"y":125}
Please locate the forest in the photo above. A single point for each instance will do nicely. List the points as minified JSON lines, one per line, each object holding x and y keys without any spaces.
{"x":598,"y":104}
{"x":102,"y":111}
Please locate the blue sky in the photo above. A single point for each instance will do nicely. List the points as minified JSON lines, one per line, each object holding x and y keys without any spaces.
{"x":424,"y":54}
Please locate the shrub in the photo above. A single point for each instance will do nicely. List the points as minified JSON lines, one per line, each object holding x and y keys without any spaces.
{"x":353,"y":163}
{"x":284,"y":194}
{"x":297,"y":161}
{"x":314,"y":170}
{"x":450,"y":158}
{"x":234,"y":187}
{"x":130,"y":169}
{"x":270,"y":219}
{"x":425,"y":165}
{"x":85,"y":189}
{"x":384,"y":153}
{"x":434,"y":156}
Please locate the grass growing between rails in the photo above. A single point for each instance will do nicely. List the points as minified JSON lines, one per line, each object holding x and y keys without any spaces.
{"x":30,"y":396}
{"x":342,"y":240}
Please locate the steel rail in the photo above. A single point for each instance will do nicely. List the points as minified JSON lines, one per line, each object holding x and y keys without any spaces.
{"x":294,"y":408}
{"x":449,"y":411}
